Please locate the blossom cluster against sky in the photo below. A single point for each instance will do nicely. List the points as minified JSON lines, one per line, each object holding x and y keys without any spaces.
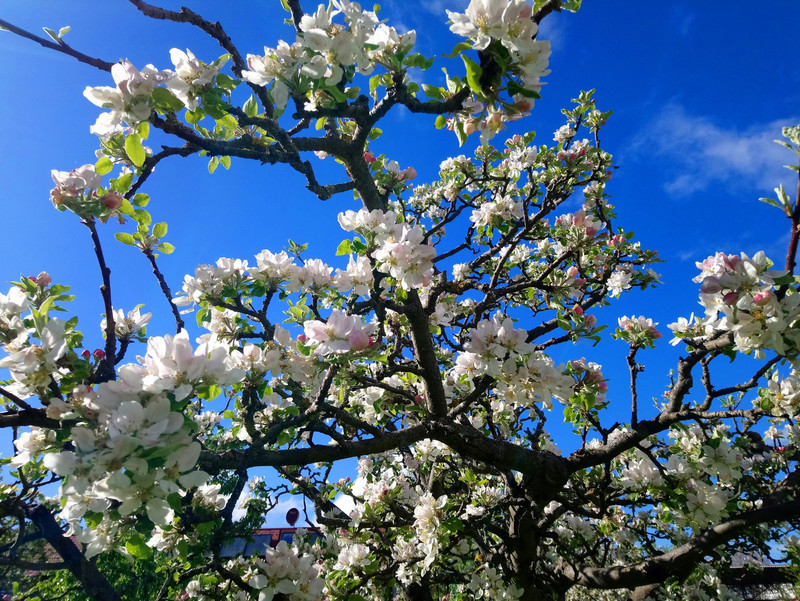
{"x":698,"y":95}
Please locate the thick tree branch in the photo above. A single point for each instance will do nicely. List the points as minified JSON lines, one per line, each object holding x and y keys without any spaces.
{"x":681,"y":561}
{"x":29,"y":417}
{"x":93,"y":581}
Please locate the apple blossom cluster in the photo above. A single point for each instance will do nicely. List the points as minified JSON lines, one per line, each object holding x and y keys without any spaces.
{"x":398,"y":251}
{"x":491,"y":343}
{"x":72,"y":186}
{"x":33,"y":353}
{"x":283,"y":571}
{"x":13,"y":333}
{"x":511,"y":24}
{"x":638,"y":331}
{"x":325,"y":50}
{"x":342,"y":333}
{"x":397,"y":247}
{"x":133,"y":448}
{"x":742,"y":295}
{"x":128,"y":325}
{"x":132,"y":99}
{"x":782,"y":395}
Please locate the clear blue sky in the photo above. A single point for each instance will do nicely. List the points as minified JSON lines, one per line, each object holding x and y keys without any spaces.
{"x":699,"y":90}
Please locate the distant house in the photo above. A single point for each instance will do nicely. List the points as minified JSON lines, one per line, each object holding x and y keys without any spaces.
{"x":262,"y":538}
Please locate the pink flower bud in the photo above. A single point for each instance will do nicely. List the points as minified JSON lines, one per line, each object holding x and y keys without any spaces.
{"x":407,"y":174}
{"x":590,"y":320}
{"x":43,"y":279}
{"x":99,"y":354}
{"x":302,"y":338}
{"x":710,"y":285}
{"x":418,"y":400}
{"x":86,"y":354}
{"x":762,"y":298}
{"x":369,"y":157}
{"x":578,"y":310}
{"x":572,"y":271}
{"x":730,"y":298}
{"x":113,"y":200}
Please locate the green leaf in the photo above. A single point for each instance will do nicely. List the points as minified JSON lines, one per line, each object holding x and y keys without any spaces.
{"x":441,"y":121}
{"x":336,"y":93}
{"x":786,"y":278}
{"x":141,"y":199}
{"x":433,"y":91}
{"x":64,"y":31}
{"x":213,"y":164}
{"x":103,"y":166}
{"x":52,"y":34}
{"x":458,"y":49}
{"x":195,"y":116}
{"x":138,"y":548}
{"x":771,"y":202}
{"x":125,"y":238}
{"x":321,"y":122}
{"x":165,"y":101}
{"x":458,"y":127}
{"x":515,"y":89}
{"x":418,"y":60}
{"x":358,"y":245}
{"x":160,"y":229}
{"x":227,"y":82}
{"x":453,"y":524}
{"x":225,"y":162}
{"x":474,"y":73}
{"x":143,"y":129}
{"x":142,"y":217}
{"x":135,"y":150}
{"x":122,"y":184}
{"x":251,"y":107}
{"x":126,"y":208}
{"x":374,"y":81}
{"x":166,"y":248}
{"x":228,"y":122}
{"x":344,"y":248}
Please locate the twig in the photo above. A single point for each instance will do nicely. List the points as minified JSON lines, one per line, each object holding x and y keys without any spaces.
{"x":62,"y":47}
{"x":179,"y":323}
{"x":14,"y":398}
{"x":634,"y":370}
{"x":151,"y":162}
{"x":791,"y":261}
{"x":105,"y":370}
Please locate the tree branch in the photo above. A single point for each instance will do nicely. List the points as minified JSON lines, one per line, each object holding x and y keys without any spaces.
{"x":63,"y":48}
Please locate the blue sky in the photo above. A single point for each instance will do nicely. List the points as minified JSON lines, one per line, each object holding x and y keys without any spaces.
{"x":698,"y":90}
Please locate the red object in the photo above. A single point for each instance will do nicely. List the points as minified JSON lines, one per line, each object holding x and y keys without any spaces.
{"x":292,"y":515}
